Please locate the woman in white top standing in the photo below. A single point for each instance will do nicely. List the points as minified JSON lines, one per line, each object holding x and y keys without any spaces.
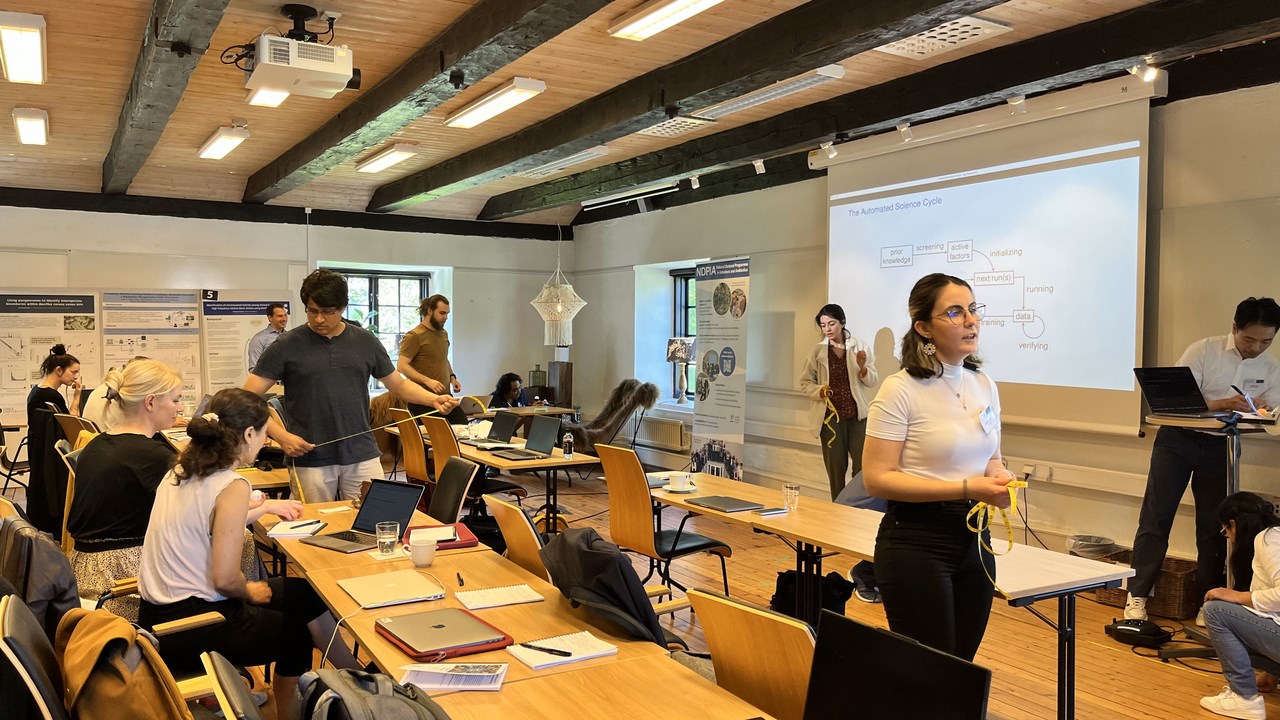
{"x":1241,"y":621}
{"x":933,"y":451}
{"x":191,"y":558}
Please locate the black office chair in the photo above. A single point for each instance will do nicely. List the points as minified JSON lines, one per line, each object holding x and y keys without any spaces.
{"x":452,"y":487}
{"x":30,"y":681}
{"x":234,"y":698}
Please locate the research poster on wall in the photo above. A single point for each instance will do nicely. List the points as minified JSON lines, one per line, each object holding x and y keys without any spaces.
{"x":162,"y":325}
{"x":30,"y":324}
{"x":231,"y":319}
{"x":720,"y":392}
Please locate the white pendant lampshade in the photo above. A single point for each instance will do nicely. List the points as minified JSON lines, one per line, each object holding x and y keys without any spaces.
{"x":558,"y":304}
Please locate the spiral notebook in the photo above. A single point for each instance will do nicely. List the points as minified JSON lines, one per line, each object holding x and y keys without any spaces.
{"x":497,"y":596}
{"x":582,"y":646}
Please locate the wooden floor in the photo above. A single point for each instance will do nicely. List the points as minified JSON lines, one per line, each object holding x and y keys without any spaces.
{"x":1112,"y":681}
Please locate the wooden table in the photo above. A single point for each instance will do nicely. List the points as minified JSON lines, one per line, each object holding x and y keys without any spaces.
{"x":275,"y":483}
{"x":530,"y":621}
{"x":1026,"y":575}
{"x":529,"y":411}
{"x":652,"y":688}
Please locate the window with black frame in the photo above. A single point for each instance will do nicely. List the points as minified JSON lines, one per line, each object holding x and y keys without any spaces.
{"x":385,"y":303}
{"x":684,"y":323}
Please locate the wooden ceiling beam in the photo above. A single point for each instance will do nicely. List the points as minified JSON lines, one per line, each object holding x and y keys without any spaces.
{"x":1165,"y":31}
{"x":487,"y":38}
{"x":177,"y":34}
{"x":817,"y":33}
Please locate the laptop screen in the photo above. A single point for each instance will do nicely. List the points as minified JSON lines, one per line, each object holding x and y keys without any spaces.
{"x":204,"y":403}
{"x":1170,"y":389}
{"x":542,"y":434}
{"x":386,"y":502}
{"x":503,"y":427}
{"x":883,"y":671}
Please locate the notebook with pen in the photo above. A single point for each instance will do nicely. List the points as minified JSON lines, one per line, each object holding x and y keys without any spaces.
{"x":538,"y":654}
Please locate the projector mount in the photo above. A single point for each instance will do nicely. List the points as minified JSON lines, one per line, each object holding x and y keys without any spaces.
{"x":300,"y":14}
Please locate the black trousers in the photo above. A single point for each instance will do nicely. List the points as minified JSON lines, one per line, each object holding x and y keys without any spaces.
{"x":252,"y":634}
{"x":1178,"y":456}
{"x":932,"y":576}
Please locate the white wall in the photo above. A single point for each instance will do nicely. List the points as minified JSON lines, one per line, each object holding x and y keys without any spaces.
{"x":1215,"y":208}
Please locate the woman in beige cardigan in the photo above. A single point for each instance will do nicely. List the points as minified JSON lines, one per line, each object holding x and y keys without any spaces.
{"x":839,"y":414}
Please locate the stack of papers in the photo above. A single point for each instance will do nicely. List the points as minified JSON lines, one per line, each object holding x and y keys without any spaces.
{"x":295,"y":528}
{"x":497,"y":597}
{"x":438,"y":533}
{"x":580,"y":646}
{"x":455,"y":676}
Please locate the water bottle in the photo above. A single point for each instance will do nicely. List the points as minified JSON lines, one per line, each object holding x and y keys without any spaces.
{"x":567,"y":443}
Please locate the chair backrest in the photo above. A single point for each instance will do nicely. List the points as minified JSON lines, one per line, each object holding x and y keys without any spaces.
{"x":84,"y":438}
{"x":775,"y":681}
{"x":630,"y":505}
{"x":471,"y":404}
{"x":412,"y":445}
{"x":38,"y":570}
{"x":452,"y":485}
{"x":72,"y":425}
{"x":70,"y":458}
{"x":443,"y":443}
{"x":32,"y":683}
{"x":228,"y":687}
{"x":7,"y":508}
{"x":522,"y":538}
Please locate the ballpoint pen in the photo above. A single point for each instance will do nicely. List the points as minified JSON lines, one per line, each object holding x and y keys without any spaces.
{"x":550,"y":651}
{"x":460,"y":583}
{"x":309,"y":523}
{"x":1247,"y":399}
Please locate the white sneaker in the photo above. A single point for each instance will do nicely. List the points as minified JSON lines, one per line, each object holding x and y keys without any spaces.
{"x":1200,"y":617}
{"x":1135,"y":608}
{"x":1232,"y":705}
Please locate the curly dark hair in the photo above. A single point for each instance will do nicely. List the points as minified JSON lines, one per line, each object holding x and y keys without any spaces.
{"x":216,"y":436}
{"x":327,"y":288}
{"x":1252,"y":514}
{"x":504,"y":385}
{"x":58,"y":359}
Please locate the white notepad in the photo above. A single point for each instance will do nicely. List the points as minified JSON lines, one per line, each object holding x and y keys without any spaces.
{"x":497,"y":597}
{"x":295,"y":528}
{"x":583,"y":645}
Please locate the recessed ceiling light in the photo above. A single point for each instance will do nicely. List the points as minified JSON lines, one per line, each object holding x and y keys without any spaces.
{"x":22,"y":49}
{"x":32,"y":125}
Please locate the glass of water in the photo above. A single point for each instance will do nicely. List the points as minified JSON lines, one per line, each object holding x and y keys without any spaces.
{"x":388,"y":538}
{"x":791,"y":496}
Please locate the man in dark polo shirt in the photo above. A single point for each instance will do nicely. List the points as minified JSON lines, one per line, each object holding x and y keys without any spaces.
{"x":325,"y":367}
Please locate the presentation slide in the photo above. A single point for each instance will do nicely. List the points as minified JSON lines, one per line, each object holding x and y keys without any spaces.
{"x":1052,"y":254}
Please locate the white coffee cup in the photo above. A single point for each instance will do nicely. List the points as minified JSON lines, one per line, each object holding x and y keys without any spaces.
{"x":422,"y":550}
{"x":680,"y":482}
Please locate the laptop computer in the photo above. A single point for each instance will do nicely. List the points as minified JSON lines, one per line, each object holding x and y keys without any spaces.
{"x":500,"y":432}
{"x":1173,"y":391}
{"x":436,"y":632}
{"x":724,"y":503}
{"x":541,"y":441}
{"x":180,"y":434}
{"x":393,"y":588}
{"x":883,"y":670}
{"x":386,"y":501}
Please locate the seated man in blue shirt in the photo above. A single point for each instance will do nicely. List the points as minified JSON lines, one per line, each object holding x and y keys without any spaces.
{"x":325,"y":367}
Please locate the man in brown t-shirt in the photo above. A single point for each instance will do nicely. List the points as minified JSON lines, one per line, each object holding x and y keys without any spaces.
{"x":424,"y":355}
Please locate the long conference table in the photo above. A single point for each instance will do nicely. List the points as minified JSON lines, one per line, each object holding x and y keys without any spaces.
{"x":1026,"y":575}
{"x":640,"y":681}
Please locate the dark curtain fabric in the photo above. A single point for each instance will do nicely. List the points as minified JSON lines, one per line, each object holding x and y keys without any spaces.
{"x":48,"y":487}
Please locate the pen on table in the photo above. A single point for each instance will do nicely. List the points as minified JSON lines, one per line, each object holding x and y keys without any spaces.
{"x":309,"y":523}
{"x":549,"y":651}
{"x":1246,"y":398}
{"x":460,"y":583}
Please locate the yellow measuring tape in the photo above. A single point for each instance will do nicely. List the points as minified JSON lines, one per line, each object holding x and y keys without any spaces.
{"x":830,"y":419}
{"x":979,"y":519}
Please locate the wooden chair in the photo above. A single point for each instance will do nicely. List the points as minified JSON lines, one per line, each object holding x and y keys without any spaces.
{"x":472,"y":405}
{"x":7,"y":508}
{"x":631,"y":523}
{"x":83,"y":439}
{"x":522,"y":538}
{"x":412,"y":445}
{"x":444,"y":445}
{"x":37,"y":687}
{"x":453,"y":484}
{"x":71,"y":425}
{"x":234,"y":698}
{"x":775,"y":680}
{"x":69,"y":458}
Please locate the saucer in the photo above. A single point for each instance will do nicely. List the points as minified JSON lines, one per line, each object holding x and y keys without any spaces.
{"x":686,"y":491}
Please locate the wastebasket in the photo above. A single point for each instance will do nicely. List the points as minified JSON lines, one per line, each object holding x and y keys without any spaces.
{"x":1090,"y":546}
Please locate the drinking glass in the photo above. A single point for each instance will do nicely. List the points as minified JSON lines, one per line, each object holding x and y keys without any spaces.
{"x":790,"y":496}
{"x":388,"y":538}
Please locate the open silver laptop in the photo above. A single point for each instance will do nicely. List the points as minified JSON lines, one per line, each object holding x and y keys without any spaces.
{"x":393,"y":588}
{"x":500,"y":432}
{"x":387,"y":501}
{"x":542,"y":440}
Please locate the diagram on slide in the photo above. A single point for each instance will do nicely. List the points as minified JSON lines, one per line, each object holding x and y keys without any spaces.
{"x":1023,"y":316}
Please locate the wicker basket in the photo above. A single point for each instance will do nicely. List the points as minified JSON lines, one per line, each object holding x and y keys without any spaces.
{"x":1175,"y":595}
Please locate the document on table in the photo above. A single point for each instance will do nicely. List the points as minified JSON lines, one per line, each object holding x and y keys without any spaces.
{"x":455,"y":676}
{"x":497,"y":597}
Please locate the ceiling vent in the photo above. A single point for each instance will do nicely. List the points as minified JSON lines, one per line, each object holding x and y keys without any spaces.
{"x":677,"y":126}
{"x":945,"y":38}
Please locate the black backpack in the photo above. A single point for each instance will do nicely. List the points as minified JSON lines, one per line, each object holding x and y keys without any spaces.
{"x":355,"y":695}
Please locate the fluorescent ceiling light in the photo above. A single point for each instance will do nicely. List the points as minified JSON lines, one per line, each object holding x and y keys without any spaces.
{"x":32,"y":125}
{"x":266,"y":97}
{"x":496,"y":102}
{"x":556,"y":166}
{"x":397,"y":153}
{"x":632,"y":194}
{"x":22,"y":51}
{"x":224,"y":140}
{"x":772,"y":92}
{"x":655,"y":16}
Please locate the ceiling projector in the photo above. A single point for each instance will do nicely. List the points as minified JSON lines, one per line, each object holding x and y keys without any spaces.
{"x":300,"y":68}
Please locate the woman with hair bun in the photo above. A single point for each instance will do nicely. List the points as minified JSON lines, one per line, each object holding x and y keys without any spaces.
{"x":191,"y":558}
{"x":47,"y":491}
{"x":117,"y":477}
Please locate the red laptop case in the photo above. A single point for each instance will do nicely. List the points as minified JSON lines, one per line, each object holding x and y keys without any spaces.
{"x":466,"y":538}
{"x":441,"y":655}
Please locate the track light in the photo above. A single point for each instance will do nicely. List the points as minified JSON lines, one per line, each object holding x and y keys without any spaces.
{"x":904,"y":129}
{"x":32,"y":125}
{"x":830,"y":149}
{"x":759,"y":164}
{"x":393,"y":155}
{"x":655,"y":16}
{"x":1148,"y":73}
{"x":496,"y":102}
{"x":693,"y":182}
{"x":22,"y":47}
{"x":224,"y":140}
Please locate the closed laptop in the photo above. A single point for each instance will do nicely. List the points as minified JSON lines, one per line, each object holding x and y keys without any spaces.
{"x":724,"y":503}
{"x":437,"y":632}
{"x":392,"y":588}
